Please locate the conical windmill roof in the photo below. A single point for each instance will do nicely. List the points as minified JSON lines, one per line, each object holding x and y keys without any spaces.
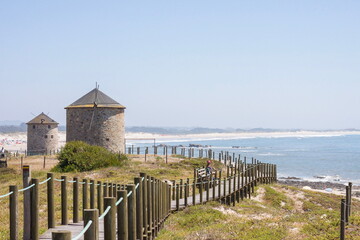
{"x":42,"y":118}
{"x":95,"y":98}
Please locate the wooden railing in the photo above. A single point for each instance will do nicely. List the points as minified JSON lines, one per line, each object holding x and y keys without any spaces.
{"x":130,"y":211}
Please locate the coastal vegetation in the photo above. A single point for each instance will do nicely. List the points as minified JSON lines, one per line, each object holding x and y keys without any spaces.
{"x":277,"y":212}
{"x":79,"y":156}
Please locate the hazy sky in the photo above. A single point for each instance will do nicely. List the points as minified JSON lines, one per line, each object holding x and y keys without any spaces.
{"x":243,"y":64}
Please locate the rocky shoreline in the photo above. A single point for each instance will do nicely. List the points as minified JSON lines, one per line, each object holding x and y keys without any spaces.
{"x":332,"y":187}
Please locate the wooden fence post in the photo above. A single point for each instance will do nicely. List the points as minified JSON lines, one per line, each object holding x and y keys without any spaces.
{"x":225,"y":180}
{"x":181,"y":188}
{"x":100,"y":197}
{"x":169,"y":199}
{"x":153,"y":204}
{"x":110,"y":190}
{"x":85,"y":195}
{"x":146,"y":152}
{"x":177,"y":198}
{"x":207,"y":185}
{"x":347,"y":204}
{"x":219,"y":188}
{"x":145,"y":202}
{"x":213,"y":186}
{"x":201,"y":191}
{"x":75,"y":200}
{"x":188,"y":189}
{"x":109,"y":219}
{"x":61,"y":235}
{"x":166,"y":156}
{"x":173,"y":189}
{"x":150,"y":206}
{"x":105,"y":190}
{"x":249,"y":184}
{"x":194,"y":193}
{"x":229,"y":198}
{"x":131,"y":211}
{"x":349,"y":199}
{"x":186,"y":194}
{"x":253,"y":182}
{"x":34,"y":233}
{"x":27,"y":202}
{"x":164,"y":202}
{"x":13,"y":206}
{"x":122,"y":216}
{"x":246,"y":177}
{"x":115,"y":190}
{"x":92,"y":194}
{"x":139,"y":207}
{"x":342,"y":220}
{"x":64,"y":205}
{"x":160,"y":204}
{"x":93,"y":232}
{"x":50,"y":200}
{"x":238,"y":187}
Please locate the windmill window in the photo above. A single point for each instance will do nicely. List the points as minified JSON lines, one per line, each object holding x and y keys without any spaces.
{"x":46,"y":136}
{"x":52,"y":136}
{"x":33,"y":126}
{"x":49,"y":126}
{"x":107,"y":139}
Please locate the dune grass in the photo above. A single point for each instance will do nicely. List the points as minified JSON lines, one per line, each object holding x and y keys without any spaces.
{"x":281,"y":212}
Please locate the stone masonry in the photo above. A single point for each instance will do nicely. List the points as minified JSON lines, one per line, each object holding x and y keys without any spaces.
{"x":97,"y":126}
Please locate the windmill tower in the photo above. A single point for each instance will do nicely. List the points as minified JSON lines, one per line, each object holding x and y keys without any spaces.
{"x":98,"y":120}
{"x":42,"y":135}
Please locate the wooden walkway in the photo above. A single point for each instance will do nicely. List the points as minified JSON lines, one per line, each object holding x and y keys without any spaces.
{"x":74,"y":228}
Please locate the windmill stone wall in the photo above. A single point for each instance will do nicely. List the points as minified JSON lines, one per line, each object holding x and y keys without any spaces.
{"x":97,"y":120}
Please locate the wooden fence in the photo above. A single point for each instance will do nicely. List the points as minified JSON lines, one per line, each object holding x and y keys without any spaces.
{"x":129,"y":211}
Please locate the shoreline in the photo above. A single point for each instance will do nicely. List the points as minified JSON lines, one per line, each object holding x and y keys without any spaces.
{"x":324,"y":187}
{"x":242,"y":135}
{"x":18,"y":141}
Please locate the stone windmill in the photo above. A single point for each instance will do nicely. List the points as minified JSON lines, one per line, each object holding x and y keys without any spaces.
{"x":98,"y":120}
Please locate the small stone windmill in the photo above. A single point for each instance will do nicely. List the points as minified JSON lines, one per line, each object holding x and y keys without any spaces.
{"x":42,"y":135}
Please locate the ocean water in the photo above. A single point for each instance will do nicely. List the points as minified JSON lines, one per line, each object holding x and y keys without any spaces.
{"x":333,"y":158}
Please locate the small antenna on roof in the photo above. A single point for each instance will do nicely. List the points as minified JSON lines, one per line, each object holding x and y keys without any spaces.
{"x":32,"y":114}
{"x":97,"y":85}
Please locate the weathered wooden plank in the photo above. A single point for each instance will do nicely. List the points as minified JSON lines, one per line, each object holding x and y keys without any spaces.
{"x":74,"y":228}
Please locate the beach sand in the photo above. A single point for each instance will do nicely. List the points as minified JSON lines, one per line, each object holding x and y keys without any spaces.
{"x":17,"y":141}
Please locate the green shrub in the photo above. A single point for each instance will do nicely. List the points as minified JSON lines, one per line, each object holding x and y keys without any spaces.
{"x":78,"y":156}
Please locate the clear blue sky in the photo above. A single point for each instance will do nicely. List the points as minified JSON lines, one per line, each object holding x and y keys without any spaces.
{"x":243,"y":64}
